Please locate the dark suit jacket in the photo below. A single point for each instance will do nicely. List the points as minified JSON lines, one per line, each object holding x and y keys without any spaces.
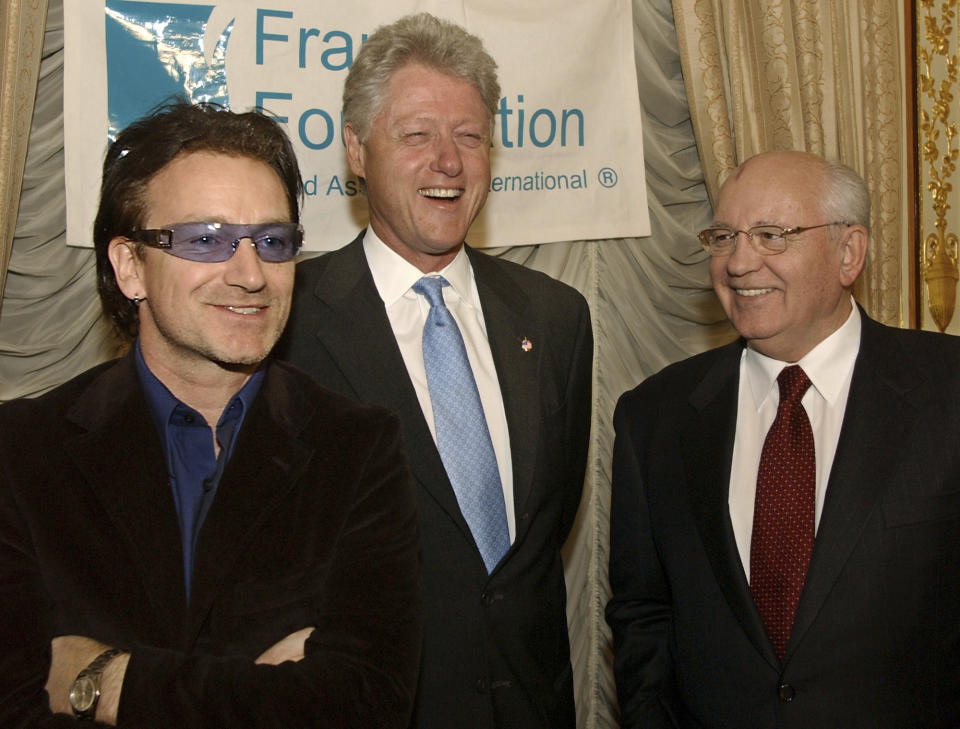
{"x":314,"y":523}
{"x":876,"y":637}
{"x":495,"y":650}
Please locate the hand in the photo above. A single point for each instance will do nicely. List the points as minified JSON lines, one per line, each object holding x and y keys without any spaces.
{"x":70,"y":654}
{"x":287,"y":649}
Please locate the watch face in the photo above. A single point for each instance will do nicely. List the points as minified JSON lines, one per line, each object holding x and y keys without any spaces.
{"x":83,"y":695}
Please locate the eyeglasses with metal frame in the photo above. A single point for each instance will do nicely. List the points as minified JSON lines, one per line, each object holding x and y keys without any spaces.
{"x":767,"y":240}
{"x":217,"y":242}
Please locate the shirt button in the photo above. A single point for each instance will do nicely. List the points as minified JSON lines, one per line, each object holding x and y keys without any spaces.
{"x":786,"y":692}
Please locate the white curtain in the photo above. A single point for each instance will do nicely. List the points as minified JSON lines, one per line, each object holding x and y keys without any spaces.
{"x":21,"y":41}
{"x":51,"y":325}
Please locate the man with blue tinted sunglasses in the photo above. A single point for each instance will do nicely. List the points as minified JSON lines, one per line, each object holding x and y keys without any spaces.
{"x":195,"y":535}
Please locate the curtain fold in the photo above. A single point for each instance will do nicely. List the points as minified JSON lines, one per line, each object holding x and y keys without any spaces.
{"x":21,"y":40}
{"x":810,"y":75}
{"x":652,"y":304}
{"x":51,"y":324}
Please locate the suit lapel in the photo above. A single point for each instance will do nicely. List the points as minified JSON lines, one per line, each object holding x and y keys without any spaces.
{"x":370,"y":361}
{"x":263,"y":469}
{"x":121,"y":459}
{"x":367,"y":355}
{"x":503,"y":306}
{"x":879,"y":414}
{"x":707,"y":449}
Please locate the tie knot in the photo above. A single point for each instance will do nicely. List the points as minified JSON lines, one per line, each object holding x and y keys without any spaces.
{"x":431,"y":288}
{"x":793,"y":382}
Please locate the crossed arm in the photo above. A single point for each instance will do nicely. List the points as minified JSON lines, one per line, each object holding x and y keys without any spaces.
{"x":354,"y":664}
{"x":70,"y":654}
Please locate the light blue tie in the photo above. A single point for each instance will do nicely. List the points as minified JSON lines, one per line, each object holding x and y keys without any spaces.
{"x":463,"y":438}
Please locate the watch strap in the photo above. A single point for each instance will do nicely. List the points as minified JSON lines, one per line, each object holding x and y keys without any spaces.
{"x":100,"y":662}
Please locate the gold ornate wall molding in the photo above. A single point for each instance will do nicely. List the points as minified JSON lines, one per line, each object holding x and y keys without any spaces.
{"x":938,"y":147}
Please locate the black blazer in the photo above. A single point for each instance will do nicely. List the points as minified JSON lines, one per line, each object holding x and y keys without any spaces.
{"x":314,"y":523}
{"x":495,"y":650}
{"x":876,"y":637}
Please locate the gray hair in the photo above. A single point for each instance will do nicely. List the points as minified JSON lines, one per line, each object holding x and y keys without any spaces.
{"x":422,"y":38}
{"x":845,"y":196}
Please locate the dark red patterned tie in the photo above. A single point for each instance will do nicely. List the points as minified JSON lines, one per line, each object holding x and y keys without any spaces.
{"x":783,"y":512}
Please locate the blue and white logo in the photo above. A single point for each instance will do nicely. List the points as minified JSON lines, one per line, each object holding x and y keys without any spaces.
{"x":160,"y":51}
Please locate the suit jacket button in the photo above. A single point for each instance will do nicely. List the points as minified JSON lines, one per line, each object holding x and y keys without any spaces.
{"x":786,"y":692}
{"x":488,"y":598}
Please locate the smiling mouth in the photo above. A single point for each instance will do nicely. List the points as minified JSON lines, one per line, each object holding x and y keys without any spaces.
{"x":441,"y":193}
{"x":245,"y":310}
{"x":752,"y":292}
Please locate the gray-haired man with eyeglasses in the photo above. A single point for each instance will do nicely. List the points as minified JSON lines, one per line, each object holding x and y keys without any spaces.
{"x":194,"y":535}
{"x":785,"y":519}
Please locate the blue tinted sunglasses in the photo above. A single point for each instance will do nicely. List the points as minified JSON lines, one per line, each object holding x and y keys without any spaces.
{"x":216,"y":242}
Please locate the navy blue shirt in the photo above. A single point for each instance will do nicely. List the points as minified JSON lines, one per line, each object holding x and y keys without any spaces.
{"x":193,"y":469}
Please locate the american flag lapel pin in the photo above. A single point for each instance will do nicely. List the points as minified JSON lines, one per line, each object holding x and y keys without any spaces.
{"x":526,"y":345}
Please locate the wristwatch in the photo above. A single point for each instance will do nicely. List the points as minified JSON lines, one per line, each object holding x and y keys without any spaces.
{"x":85,"y":690}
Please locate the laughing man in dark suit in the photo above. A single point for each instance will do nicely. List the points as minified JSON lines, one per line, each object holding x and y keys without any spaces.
{"x":809,"y":579}
{"x":193,"y":535}
{"x":419,"y":104}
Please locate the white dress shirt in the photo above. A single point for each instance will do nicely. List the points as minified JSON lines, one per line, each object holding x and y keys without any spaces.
{"x":407,"y":312}
{"x":829,"y":366}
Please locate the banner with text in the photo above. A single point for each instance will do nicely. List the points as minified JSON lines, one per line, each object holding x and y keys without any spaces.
{"x":567,"y":156}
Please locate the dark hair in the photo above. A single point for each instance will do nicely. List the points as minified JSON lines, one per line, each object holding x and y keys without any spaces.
{"x":148,"y":145}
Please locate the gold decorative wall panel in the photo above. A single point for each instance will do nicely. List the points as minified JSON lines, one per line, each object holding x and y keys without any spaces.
{"x":937,"y":114}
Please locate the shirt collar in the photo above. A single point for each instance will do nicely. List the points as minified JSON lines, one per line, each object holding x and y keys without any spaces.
{"x":162,"y":403}
{"x":393,"y":275}
{"x":827,"y":365}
